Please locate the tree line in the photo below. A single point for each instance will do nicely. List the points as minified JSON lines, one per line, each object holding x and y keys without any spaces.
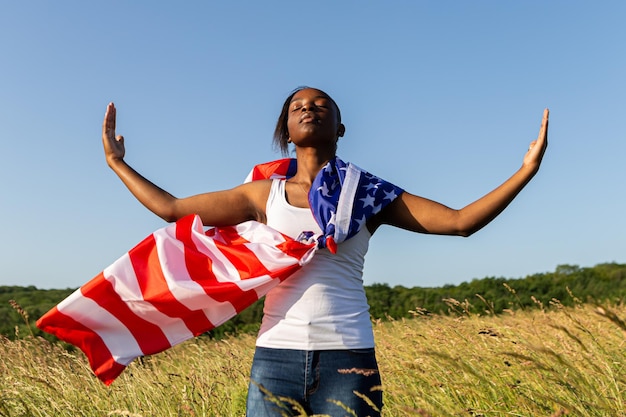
{"x":20,"y":307}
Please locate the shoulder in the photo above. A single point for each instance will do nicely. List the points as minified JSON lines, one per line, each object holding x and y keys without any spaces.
{"x":390,"y":214}
{"x":256,"y":193}
{"x":256,"y":189}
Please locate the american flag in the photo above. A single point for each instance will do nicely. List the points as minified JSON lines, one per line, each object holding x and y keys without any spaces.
{"x":344,"y":197}
{"x":281,"y":168}
{"x":183,"y":280}
{"x":177,"y":283}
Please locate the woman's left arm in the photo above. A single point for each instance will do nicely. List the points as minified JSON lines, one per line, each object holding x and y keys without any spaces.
{"x":426,"y":216}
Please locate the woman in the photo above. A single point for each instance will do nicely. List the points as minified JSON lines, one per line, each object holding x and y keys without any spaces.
{"x":315,"y":348}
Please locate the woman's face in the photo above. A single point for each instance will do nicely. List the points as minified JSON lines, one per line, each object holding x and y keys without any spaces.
{"x":313,"y":119}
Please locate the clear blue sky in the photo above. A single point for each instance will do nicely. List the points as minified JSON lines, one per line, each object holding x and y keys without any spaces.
{"x":441,"y":98}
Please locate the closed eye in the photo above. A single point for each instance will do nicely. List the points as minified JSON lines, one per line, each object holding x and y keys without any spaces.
{"x":323,"y":104}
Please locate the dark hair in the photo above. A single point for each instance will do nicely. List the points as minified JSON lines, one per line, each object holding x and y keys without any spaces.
{"x":281,"y":133}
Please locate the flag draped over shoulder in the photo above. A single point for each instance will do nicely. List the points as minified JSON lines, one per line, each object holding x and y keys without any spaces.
{"x":342,"y":196}
{"x":182,"y":281}
{"x":177,"y":283}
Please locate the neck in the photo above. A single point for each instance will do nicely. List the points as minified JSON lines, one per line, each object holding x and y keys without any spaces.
{"x":310,"y":162}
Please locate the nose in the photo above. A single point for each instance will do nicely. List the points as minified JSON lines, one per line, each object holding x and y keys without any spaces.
{"x":308,"y":106}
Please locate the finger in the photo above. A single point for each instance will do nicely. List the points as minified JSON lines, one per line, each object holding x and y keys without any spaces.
{"x":112,"y":118}
{"x":543,"y":131}
{"x":108,"y":126}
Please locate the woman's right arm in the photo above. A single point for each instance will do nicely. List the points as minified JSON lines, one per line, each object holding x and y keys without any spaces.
{"x":220,"y":208}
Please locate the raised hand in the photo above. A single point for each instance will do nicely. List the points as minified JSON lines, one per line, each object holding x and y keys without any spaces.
{"x":538,"y":147}
{"x":113,"y":145}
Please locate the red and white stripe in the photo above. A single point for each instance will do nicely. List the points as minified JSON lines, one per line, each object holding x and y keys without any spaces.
{"x":280,"y":168}
{"x":177,"y":283}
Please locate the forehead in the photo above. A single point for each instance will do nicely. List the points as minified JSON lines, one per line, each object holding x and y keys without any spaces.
{"x":310,"y":93}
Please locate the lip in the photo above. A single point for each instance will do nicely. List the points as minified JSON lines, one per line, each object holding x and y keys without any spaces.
{"x":308,"y":118}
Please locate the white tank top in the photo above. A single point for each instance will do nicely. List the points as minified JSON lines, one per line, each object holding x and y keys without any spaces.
{"x":323,"y":305}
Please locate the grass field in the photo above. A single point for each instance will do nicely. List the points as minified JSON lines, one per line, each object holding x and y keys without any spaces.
{"x":552,"y":361}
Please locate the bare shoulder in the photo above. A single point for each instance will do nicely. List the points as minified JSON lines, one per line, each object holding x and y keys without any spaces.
{"x":386,"y":215}
{"x":406,"y":212}
{"x":259,"y":189}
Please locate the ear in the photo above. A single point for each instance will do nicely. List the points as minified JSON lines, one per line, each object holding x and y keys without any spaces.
{"x":341,"y":130}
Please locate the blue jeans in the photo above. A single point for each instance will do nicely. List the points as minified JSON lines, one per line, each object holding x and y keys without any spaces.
{"x":285,"y":382}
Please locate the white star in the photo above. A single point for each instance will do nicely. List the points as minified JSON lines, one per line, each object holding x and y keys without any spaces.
{"x":324,"y":189}
{"x":377,"y":208}
{"x":372,"y":185}
{"x":367,"y":201}
{"x":390,"y":196}
{"x":332,"y":218}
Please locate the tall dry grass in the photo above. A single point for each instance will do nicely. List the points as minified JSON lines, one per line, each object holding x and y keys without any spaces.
{"x":551,"y":362}
{"x":540,"y":363}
